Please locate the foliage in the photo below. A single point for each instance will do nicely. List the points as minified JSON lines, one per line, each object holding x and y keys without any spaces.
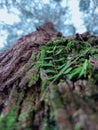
{"x":59,"y":60}
{"x":33,"y":79}
{"x":79,"y":71}
{"x":65,"y":60}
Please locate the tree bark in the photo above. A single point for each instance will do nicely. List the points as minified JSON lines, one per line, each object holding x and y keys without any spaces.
{"x":20,"y":95}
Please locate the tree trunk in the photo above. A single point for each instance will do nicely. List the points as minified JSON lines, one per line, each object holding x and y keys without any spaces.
{"x":24,"y":106}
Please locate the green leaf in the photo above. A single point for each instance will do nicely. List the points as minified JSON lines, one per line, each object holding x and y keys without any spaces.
{"x":70,"y":44}
{"x":47,"y":65}
{"x":84,"y":69}
{"x":64,"y":68}
{"x":61,"y":59}
{"x":58,"y":52}
{"x":48,"y":58}
{"x":74,"y":73}
{"x":68,"y":70}
{"x":50,"y":71}
{"x":79,"y":72}
{"x":49,"y":51}
{"x":54,"y":48}
{"x":52,"y":77}
{"x":61,"y":66}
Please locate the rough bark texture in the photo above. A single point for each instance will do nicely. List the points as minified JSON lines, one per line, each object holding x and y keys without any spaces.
{"x":16,"y":61}
{"x":67,"y":110}
{"x":16,"y":68}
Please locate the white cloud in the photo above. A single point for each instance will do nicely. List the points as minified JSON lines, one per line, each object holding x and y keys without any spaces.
{"x":76,"y":16}
{"x":46,"y":1}
{"x":15,"y":11}
{"x":8,"y":18}
{"x":64,"y":3}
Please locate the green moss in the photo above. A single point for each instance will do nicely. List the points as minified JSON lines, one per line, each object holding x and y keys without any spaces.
{"x":8,"y":122}
{"x":64,"y":60}
{"x":56,"y":55}
{"x":56,"y":98}
{"x":33,"y":79}
{"x":49,"y":125}
{"x":78,"y":126}
{"x":26,"y":115}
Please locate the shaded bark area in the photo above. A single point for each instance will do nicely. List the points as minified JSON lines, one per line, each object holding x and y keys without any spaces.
{"x":68,"y":107}
{"x":16,"y":61}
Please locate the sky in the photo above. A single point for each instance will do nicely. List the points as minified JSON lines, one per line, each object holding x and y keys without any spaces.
{"x":11,"y":18}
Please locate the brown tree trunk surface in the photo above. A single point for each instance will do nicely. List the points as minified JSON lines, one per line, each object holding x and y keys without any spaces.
{"x":21,"y":96}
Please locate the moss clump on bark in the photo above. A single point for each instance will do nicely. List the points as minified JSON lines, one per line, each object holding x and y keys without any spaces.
{"x":55,"y":84}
